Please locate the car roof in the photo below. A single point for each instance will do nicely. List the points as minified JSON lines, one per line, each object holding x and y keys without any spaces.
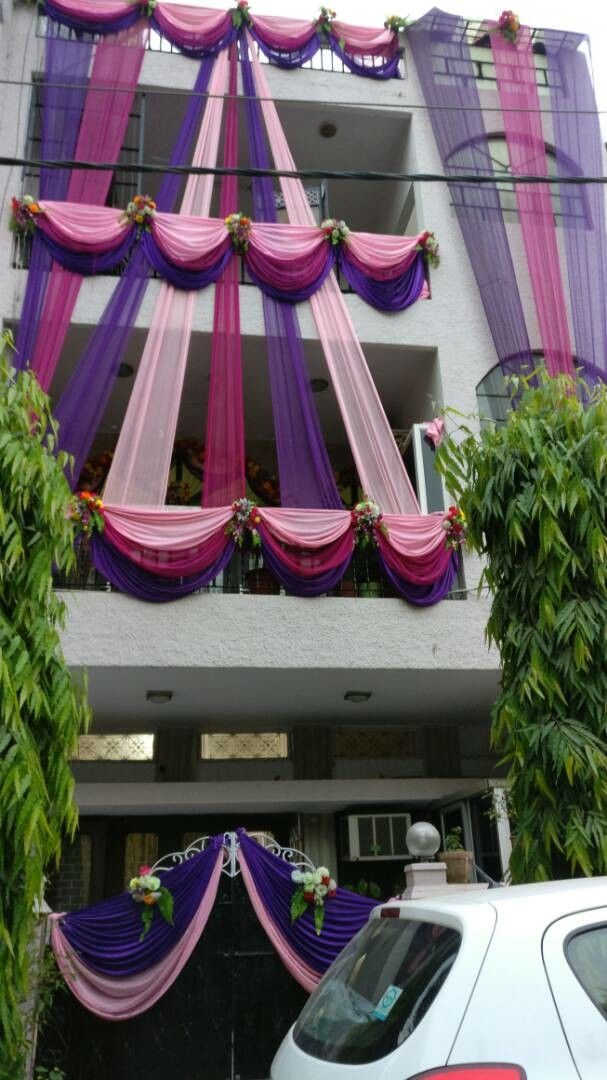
{"x":555,"y":898}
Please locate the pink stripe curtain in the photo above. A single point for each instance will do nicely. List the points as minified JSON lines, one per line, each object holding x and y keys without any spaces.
{"x":142,"y":461}
{"x":224,"y":471}
{"x":122,"y":998}
{"x":114,"y":78}
{"x":379,"y":463}
{"x":519,"y":98}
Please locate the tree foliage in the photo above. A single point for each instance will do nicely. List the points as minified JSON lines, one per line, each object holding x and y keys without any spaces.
{"x":535,"y":494}
{"x":41,"y":712}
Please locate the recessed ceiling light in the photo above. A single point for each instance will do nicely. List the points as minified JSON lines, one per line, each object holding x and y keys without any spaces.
{"x":319,"y":385}
{"x":357,"y":697}
{"x":125,"y":371}
{"x":159,"y":697}
{"x":328,"y":129}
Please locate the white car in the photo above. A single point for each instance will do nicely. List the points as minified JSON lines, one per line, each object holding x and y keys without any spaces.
{"x":507,"y":984}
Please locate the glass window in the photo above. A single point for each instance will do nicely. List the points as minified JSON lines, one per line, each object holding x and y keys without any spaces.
{"x":115,"y":748}
{"x":377,"y":991}
{"x":244,"y":746}
{"x":587,"y":956}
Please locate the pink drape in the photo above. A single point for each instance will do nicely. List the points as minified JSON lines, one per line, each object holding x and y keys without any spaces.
{"x":122,"y":998}
{"x":310,"y":562}
{"x":383,"y":257}
{"x":305,"y":976}
{"x":198,"y":27}
{"x":142,"y":461}
{"x":365,"y":41}
{"x":279,"y":33}
{"x":92,"y":229}
{"x":379,"y":463}
{"x":190,"y":242}
{"x":114,"y":78}
{"x":100,"y":11}
{"x":519,"y":98}
{"x":224,"y":467}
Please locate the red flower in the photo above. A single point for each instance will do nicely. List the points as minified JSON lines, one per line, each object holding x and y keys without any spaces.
{"x":331,"y":892}
{"x":145,"y":870}
{"x":326,"y":880}
{"x":308,"y":897}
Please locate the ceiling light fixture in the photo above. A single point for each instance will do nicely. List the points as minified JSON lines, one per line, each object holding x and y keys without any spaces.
{"x":318,"y":386}
{"x":328,"y":129}
{"x":357,"y":697}
{"x":159,"y":697}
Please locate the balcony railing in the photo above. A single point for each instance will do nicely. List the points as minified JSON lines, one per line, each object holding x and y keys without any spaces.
{"x":245,"y":574}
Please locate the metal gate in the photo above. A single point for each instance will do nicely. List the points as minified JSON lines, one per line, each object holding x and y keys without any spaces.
{"x":223,"y":1018}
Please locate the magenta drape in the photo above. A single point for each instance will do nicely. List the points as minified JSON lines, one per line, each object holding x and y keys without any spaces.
{"x":224,"y":468}
{"x":114,"y":78}
{"x":521,"y":109}
{"x":122,"y":998}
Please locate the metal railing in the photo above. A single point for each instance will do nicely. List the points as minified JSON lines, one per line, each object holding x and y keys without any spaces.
{"x":246,"y":574}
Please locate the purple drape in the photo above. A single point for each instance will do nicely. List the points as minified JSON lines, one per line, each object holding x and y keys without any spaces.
{"x":176,"y":275}
{"x":126,"y":576}
{"x":395,"y":295}
{"x":422,"y":595}
{"x":121,"y":22}
{"x":345,"y":913}
{"x":306,"y":478}
{"x":385,"y":69}
{"x":287,"y":59}
{"x":81,"y":262}
{"x":106,"y":935}
{"x":63,"y":95}
{"x":83,"y":403}
{"x":447,"y":75}
{"x":579,"y":151}
{"x":303,"y":586}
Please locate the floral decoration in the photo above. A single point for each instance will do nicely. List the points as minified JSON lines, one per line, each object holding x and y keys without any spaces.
{"x":24,"y":213}
{"x":429,"y":245}
{"x":368,"y":523}
{"x":245,"y":519}
{"x":148,"y":891}
{"x":335,"y":230}
{"x":509,"y":25}
{"x":241,"y":15}
{"x":396,"y":23}
{"x":86,"y":511}
{"x":239,"y":228}
{"x":323,"y":23}
{"x":313,"y":889}
{"x":141,"y":211}
{"x":149,"y":7}
{"x":454,"y":524}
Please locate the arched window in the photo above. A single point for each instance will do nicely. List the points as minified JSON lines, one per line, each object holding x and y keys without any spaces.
{"x":493,"y":394}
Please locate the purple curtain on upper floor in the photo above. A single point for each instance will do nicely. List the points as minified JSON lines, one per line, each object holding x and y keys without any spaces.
{"x":395,"y":295}
{"x":121,"y":22}
{"x":447,"y":74}
{"x":422,"y":595}
{"x":63,"y":95}
{"x":305,"y":474}
{"x":579,"y":152}
{"x":84,"y":400}
{"x":106,"y":935}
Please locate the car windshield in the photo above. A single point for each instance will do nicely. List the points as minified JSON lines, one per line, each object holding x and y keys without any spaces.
{"x":377,"y":991}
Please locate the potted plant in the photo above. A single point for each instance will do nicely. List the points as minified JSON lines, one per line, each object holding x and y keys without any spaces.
{"x":457,"y":860}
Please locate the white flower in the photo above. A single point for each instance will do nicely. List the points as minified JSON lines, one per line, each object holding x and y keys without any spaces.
{"x":297,"y":877}
{"x":148,"y":881}
{"x":323,"y":871}
{"x":134,"y":883}
{"x":321,"y":890}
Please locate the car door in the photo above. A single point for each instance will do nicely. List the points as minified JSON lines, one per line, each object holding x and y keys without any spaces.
{"x":575,"y":958}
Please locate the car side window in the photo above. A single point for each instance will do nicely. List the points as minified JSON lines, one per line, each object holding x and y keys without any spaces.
{"x":586,"y":952}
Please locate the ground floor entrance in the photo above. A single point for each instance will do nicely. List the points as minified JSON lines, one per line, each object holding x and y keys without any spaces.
{"x":223,"y":1018}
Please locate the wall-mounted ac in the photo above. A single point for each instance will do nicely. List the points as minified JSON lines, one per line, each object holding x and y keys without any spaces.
{"x":374,"y":836}
{"x":420,"y":457}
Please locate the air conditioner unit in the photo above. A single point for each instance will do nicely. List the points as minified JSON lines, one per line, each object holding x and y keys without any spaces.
{"x":428,"y":484}
{"x":374,"y":836}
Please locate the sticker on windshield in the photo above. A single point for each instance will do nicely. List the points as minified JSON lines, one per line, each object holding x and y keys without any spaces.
{"x":383,"y":1010}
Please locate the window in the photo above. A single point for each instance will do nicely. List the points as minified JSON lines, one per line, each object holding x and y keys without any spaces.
{"x":244,"y":746}
{"x":377,"y":991}
{"x":140,"y":849}
{"x":586,"y":953}
{"x":374,"y":836}
{"x":139,"y":747}
{"x":356,"y":743}
{"x":493,"y":392}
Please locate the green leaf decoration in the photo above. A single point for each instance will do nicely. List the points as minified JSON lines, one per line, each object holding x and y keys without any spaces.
{"x":165,"y":905}
{"x":41,"y":710}
{"x":299,"y":906}
{"x":534,"y":491}
{"x":147,"y":916}
{"x":319,"y":918}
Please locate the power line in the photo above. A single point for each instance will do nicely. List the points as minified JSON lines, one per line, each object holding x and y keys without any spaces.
{"x":301,"y":174}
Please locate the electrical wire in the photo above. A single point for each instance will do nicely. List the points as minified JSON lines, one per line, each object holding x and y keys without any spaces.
{"x":302,"y":174}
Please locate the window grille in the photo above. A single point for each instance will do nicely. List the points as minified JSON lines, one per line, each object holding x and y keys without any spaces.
{"x":244,"y":746}
{"x":138,"y":747}
{"x":356,"y":744}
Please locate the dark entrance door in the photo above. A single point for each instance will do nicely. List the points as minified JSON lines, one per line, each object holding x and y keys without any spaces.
{"x":223,"y":1018}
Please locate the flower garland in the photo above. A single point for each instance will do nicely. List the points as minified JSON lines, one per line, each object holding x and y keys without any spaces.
{"x":239,"y":228}
{"x":141,"y":211}
{"x":245,"y":519}
{"x":86,"y":511}
{"x":454,"y":524}
{"x":148,"y":891}
{"x":335,"y":230}
{"x":396,"y":23}
{"x":149,"y":7}
{"x":23,"y":214}
{"x":314,"y":886}
{"x":429,"y":245}
{"x":509,"y":25}
{"x":323,"y":23}
{"x":368,"y":523}
{"x":241,"y":15}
